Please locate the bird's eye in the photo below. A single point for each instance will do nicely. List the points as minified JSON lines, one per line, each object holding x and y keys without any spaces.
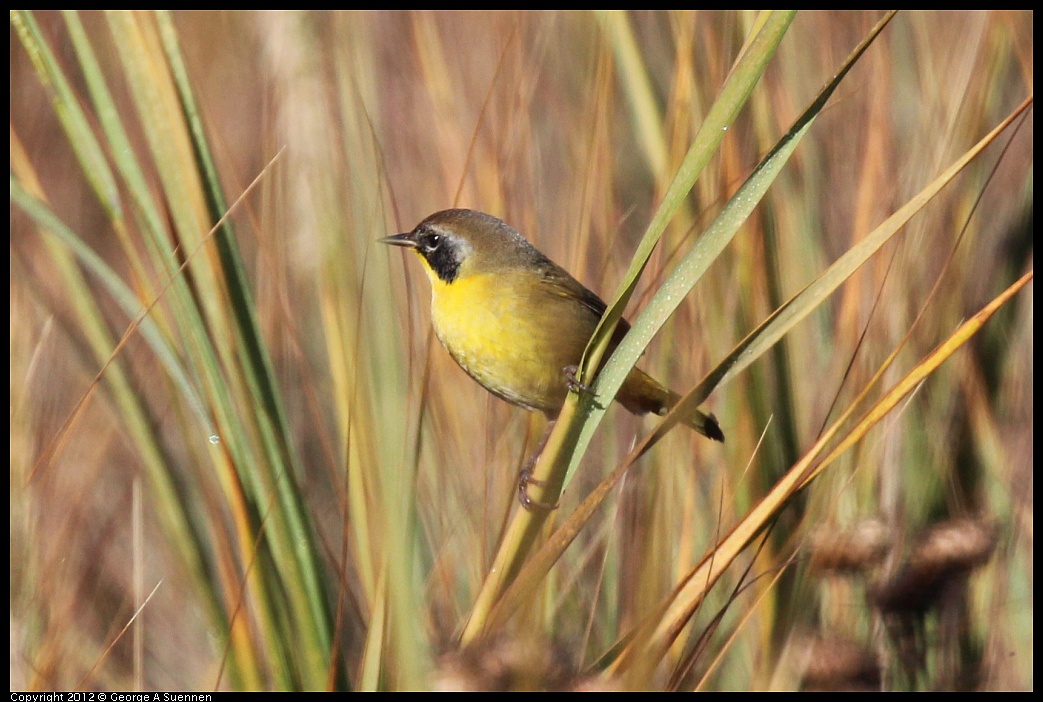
{"x":431,"y":241}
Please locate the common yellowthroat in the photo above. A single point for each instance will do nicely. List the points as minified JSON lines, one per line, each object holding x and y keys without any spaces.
{"x":515,"y":320}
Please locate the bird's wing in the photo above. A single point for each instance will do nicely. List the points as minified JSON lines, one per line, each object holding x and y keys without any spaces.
{"x":559,"y":282}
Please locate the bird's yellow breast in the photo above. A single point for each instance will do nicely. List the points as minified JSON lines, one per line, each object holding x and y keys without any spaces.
{"x":512,"y":334}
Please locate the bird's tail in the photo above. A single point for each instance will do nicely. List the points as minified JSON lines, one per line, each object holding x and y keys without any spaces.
{"x":706,"y":424}
{"x":642,"y":393}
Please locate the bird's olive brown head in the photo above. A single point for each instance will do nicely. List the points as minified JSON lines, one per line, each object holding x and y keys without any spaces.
{"x":456,"y":243}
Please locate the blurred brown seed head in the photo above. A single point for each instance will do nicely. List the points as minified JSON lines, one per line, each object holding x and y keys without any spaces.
{"x":834,"y":664}
{"x":944,"y":555}
{"x":956,"y":545}
{"x":851,"y":551}
{"x":503,"y":664}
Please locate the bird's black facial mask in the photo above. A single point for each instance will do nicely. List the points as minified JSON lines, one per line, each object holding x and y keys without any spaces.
{"x":444,"y":253}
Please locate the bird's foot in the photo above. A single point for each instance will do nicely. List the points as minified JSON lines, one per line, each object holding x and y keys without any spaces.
{"x":573,"y":382}
{"x":525,"y":479}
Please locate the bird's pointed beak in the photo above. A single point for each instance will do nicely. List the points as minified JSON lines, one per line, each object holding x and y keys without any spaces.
{"x":406,"y":239}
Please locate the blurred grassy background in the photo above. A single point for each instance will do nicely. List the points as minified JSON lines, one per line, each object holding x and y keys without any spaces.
{"x":351,"y":474}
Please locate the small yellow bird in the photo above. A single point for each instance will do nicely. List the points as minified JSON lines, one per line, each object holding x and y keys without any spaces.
{"x":516,"y":321}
